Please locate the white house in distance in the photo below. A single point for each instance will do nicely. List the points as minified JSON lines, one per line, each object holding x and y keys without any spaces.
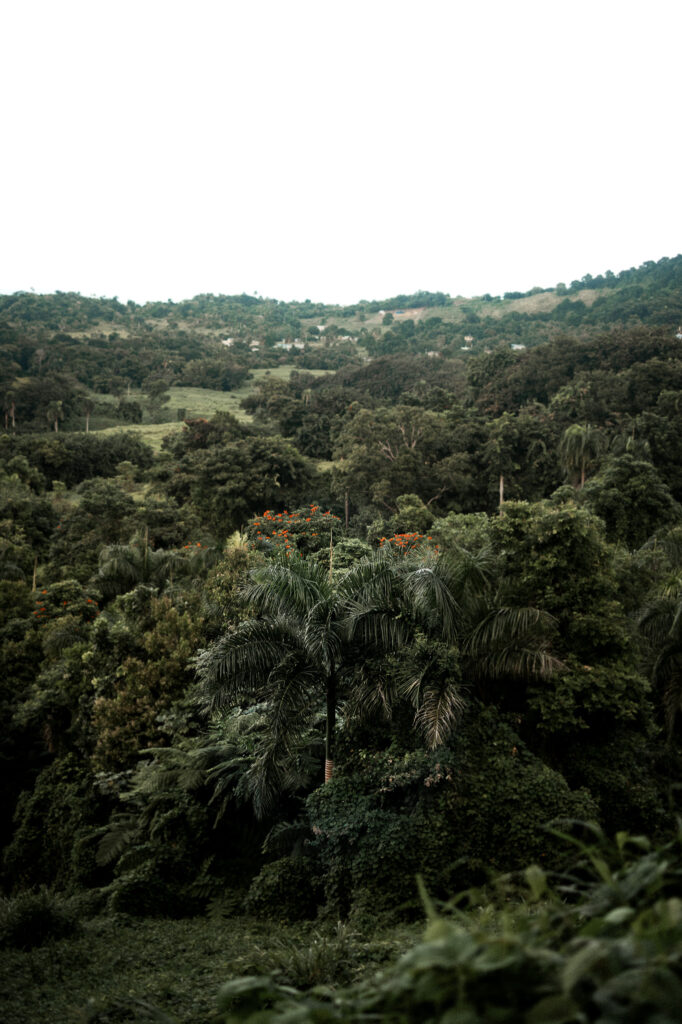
{"x":288,"y":345}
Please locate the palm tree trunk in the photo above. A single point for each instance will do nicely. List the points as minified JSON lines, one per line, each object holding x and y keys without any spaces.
{"x":331,"y":728}
{"x":501,"y":492}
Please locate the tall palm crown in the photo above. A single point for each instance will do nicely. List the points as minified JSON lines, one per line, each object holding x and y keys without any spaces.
{"x":311,"y":632}
{"x":580,"y":449}
{"x":306,"y":630}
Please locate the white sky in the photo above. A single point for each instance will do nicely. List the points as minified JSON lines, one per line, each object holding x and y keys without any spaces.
{"x":335,"y":150}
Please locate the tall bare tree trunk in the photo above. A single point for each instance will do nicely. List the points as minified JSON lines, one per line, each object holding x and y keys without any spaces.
{"x":330,"y":729}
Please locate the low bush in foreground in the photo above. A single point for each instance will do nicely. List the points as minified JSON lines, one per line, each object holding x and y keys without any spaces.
{"x":33,"y":918}
{"x":602,"y":943}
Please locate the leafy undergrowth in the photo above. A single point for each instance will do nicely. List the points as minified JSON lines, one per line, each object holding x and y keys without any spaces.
{"x":116,"y":971}
{"x":602,"y":944}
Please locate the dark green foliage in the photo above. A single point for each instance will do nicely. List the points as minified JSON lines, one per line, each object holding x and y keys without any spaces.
{"x":33,"y":918}
{"x":228,"y":483}
{"x":623,"y":775}
{"x":73,"y":458}
{"x":154,"y":888}
{"x":481,"y":804}
{"x":289,"y":889}
{"x":505,"y":796}
{"x":532,"y":625}
{"x":613,"y":953}
{"x":631,"y":498}
{"x":54,"y":825}
{"x":581,"y":695}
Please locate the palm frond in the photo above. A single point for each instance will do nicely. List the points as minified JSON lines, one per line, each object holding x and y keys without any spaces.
{"x":671,"y":680}
{"x":235,"y":666}
{"x":371,"y":581}
{"x":119,"y":834}
{"x":656,"y":619}
{"x":288,"y":714}
{"x":440,"y":708}
{"x":513,"y":642}
{"x":432,"y":600}
{"x":322,"y":637}
{"x":467,"y":572}
{"x":287,"y":837}
{"x":120,"y":567}
{"x":368,"y":699}
{"x":375,"y":628}
{"x":284,"y":586}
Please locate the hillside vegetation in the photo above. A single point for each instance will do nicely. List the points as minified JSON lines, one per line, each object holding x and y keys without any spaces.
{"x":313,"y":620}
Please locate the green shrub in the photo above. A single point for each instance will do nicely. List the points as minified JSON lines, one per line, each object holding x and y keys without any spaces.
{"x":621,"y":773}
{"x":32,"y":918}
{"x":289,"y":888}
{"x":309,"y":960}
{"x":155,"y":887}
{"x":55,"y":824}
{"x":453,"y":815}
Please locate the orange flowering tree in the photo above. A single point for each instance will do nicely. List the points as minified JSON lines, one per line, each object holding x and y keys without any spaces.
{"x":404,"y":542}
{"x":299,"y":532}
{"x":65,"y":598}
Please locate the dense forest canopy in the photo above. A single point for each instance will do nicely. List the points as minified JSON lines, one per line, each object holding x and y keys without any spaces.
{"x":427,"y":549}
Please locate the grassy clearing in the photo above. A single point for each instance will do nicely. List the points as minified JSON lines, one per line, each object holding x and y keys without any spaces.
{"x":198,"y":402}
{"x":151,"y":433}
{"x":177,"y":966}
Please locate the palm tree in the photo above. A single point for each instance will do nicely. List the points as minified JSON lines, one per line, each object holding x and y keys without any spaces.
{"x":580,"y":449}
{"x":456,"y":601}
{"x":54,"y":414}
{"x":88,"y":406}
{"x":9,"y":408}
{"x":123,"y":566}
{"x":312,"y":633}
{"x":660,"y":622}
{"x":308,"y":632}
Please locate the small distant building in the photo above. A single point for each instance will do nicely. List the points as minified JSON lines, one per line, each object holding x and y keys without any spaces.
{"x":227,"y":342}
{"x":517,"y":348}
{"x":288,"y":345}
{"x":468,"y":338}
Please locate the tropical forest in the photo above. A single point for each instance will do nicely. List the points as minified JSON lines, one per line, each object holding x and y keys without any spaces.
{"x":342,"y":657}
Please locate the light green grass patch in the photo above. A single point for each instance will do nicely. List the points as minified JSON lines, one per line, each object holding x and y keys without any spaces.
{"x":151,"y":433}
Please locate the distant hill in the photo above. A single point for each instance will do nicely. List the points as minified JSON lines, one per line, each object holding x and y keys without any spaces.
{"x":65,"y":347}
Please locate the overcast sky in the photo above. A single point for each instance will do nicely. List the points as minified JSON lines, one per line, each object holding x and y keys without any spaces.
{"x":335,"y":150}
